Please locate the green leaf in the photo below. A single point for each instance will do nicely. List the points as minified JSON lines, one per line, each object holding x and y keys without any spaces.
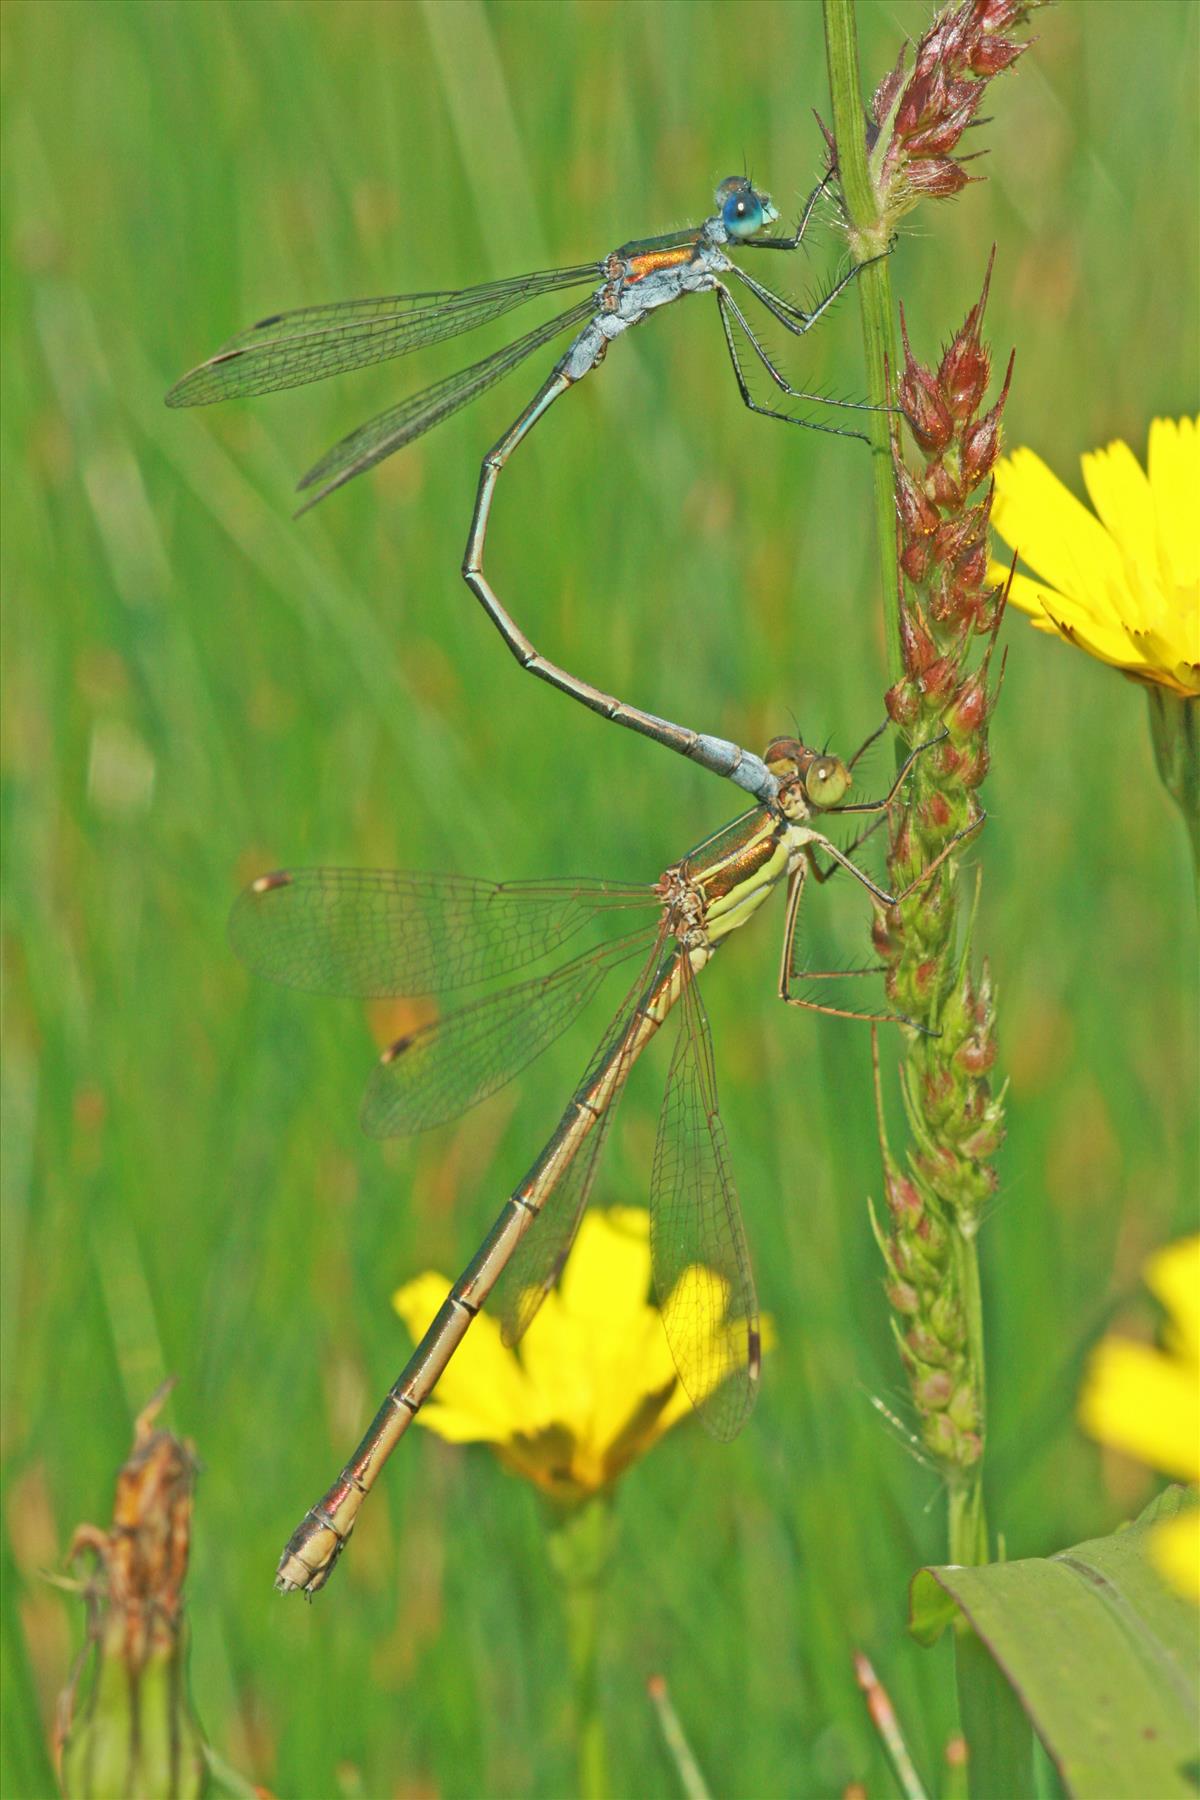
{"x":1100,"y":1653}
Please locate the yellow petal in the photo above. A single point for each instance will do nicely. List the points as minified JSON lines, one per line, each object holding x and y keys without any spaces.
{"x":645,"y":1370}
{"x":1174,"y":464}
{"x":1144,"y":1403}
{"x":1175,"y":1551}
{"x":559,"y":1355}
{"x":1106,"y":640}
{"x":1057,"y":536}
{"x":608,"y":1272}
{"x":1173,"y":1275}
{"x":1120,"y":492}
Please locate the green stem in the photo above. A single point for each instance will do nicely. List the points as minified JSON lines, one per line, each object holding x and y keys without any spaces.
{"x":580,"y":1545}
{"x":869,"y":238}
{"x":583,"y":1612}
{"x":967,"y":1522}
{"x":1175,"y":733}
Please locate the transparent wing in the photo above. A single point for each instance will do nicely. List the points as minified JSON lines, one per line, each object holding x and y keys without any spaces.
{"x":391,"y":430}
{"x":377,"y":933}
{"x":450,"y":1065}
{"x":701,"y":1262}
{"x":292,"y":348}
{"x":538,"y":1260}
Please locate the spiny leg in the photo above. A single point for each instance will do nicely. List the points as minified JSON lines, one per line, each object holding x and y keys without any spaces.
{"x":872,"y":738}
{"x":725,"y":300}
{"x":787,"y":974}
{"x":798,"y":319}
{"x":881,"y":806}
{"x":872,"y":887}
{"x":821,"y":876}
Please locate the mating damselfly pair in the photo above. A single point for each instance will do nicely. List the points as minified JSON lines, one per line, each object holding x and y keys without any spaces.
{"x":290,"y":349}
{"x":372,"y":933}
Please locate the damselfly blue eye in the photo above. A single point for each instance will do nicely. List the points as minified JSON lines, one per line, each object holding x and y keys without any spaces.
{"x":742,"y":210}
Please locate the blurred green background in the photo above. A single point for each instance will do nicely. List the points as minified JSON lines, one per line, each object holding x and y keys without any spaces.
{"x":198,"y":688}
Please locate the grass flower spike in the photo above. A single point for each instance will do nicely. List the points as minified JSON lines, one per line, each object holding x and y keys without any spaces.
{"x":1146,"y":1402}
{"x":1122,"y":583}
{"x":937,"y":1193}
{"x":593,"y":1387}
{"x":917,"y":117}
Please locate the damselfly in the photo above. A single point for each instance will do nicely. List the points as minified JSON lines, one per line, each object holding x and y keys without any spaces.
{"x":292,"y":348}
{"x":375,"y":933}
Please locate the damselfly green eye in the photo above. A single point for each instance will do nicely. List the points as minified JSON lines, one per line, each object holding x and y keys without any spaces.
{"x":743,"y":212}
{"x":827,"y":780}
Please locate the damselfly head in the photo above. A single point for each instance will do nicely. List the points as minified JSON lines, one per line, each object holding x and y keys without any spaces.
{"x":742,"y":209}
{"x":813,"y":777}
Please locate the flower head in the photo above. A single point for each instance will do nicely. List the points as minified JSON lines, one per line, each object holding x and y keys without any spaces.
{"x":593,"y":1387}
{"x":1123,"y":585}
{"x":1146,"y":1402}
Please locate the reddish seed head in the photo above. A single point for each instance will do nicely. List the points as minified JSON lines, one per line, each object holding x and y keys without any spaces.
{"x":903,"y":704}
{"x":971,"y":706}
{"x":940,"y":137}
{"x":924,"y":976}
{"x":971,"y":569}
{"x":964,"y":375}
{"x":981,"y":441}
{"x":993,"y":56}
{"x":997,"y":15}
{"x":939,"y":678}
{"x":914,"y":560}
{"x":974,"y":764}
{"x":976,"y":1056}
{"x":928,"y":418}
{"x":916,"y":644}
{"x":904,"y":1202}
{"x":918,"y":515}
{"x":945,"y":487}
{"x":956,"y":535}
{"x":889,"y":87}
{"x":938,"y":177}
{"x":918,"y":101}
{"x":934,"y":1392}
{"x":904,"y":1299}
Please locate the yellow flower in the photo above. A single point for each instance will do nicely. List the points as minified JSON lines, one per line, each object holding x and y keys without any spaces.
{"x":593,"y":1387}
{"x":1146,"y":1402}
{"x":1124,"y":586}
